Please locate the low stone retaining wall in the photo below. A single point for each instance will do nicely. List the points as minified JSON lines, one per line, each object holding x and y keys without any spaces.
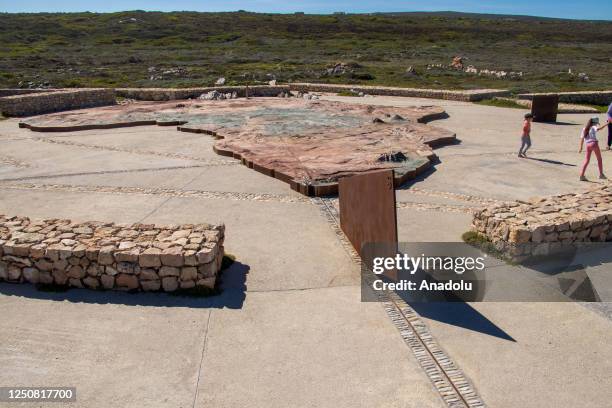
{"x":544,"y":226}
{"x":592,"y":97}
{"x":11,"y":91}
{"x":467,"y":96}
{"x":164,"y":94}
{"x":168,"y":94}
{"x":97,"y":255}
{"x":53,"y":101}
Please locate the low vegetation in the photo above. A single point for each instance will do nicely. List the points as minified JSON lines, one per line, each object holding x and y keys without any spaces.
{"x":182,"y":49}
{"x":502,"y":103}
{"x":481,"y":242}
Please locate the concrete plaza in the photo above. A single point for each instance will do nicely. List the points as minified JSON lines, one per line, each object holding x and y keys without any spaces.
{"x":289,"y":328}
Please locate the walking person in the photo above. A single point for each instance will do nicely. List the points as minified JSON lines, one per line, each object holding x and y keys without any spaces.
{"x":526,"y":137}
{"x":609,"y":126}
{"x":589,"y":136}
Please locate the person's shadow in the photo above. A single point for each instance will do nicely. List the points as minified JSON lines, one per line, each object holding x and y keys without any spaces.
{"x":560,"y":163}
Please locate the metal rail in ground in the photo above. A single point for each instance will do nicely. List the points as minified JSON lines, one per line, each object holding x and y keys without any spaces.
{"x":450,"y":382}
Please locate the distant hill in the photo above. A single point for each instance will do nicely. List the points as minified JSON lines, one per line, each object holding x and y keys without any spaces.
{"x":137,"y":48}
{"x":457,"y":14}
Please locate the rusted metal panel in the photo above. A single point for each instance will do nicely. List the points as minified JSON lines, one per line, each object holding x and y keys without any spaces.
{"x":367,"y":208}
{"x":544,"y":108}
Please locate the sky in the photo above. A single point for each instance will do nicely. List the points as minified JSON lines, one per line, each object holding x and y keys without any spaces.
{"x":576,"y":9}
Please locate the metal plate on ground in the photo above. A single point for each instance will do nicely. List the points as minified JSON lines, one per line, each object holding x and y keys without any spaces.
{"x":544,"y":108}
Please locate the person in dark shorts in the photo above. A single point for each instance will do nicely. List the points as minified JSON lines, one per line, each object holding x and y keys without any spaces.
{"x":526,"y":137}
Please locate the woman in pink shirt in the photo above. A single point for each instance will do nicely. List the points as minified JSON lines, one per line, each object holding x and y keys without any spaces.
{"x":589,"y":136}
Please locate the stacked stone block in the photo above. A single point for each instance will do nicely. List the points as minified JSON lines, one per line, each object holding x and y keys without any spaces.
{"x":98,"y":255}
{"x":545,"y":226}
{"x":592,"y":97}
{"x":169,"y":94}
{"x":467,"y":96}
{"x":53,"y":101}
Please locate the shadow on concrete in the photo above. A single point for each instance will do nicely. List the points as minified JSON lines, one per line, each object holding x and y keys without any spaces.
{"x":550,"y":161}
{"x":563,"y":123}
{"x":421,"y":177}
{"x":232,"y":296}
{"x":460,"y":314}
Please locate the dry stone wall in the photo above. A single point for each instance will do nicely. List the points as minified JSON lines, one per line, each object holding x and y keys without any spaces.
{"x":468,"y":96}
{"x":98,"y":255}
{"x":544,"y":226}
{"x":13,"y":91}
{"x":168,"y":94}
{"x":53,"y":101}
{"x":593,"y":97}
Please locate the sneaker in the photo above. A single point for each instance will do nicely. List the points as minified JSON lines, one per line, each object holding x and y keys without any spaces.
{"x":582,"y":178}
{"x":520,"y":155}
{"x":602,"y":177}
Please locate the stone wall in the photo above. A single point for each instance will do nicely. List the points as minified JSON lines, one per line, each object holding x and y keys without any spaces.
{"x":468,"y":96}
{"x":550,"y":225}
{"x":164,"y":94}
{"x":592,"y":97}
{"x":53,"y":101}
{"x":13,"y":91}
{"x":167,"y":94}
{"x":97,"y":255}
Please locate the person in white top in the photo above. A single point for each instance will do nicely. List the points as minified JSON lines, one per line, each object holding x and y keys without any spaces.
{"x":589,"y":136}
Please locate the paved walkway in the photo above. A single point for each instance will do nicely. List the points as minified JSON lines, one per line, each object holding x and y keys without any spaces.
{"x":290,"y":329}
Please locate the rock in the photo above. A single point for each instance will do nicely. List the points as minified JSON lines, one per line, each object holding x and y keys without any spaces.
{"x":150,"y":258}
{"x":170,"y":284}
{"x":457,"y":63}
{"x":220,"y":81}
{"x":110,"y":270}
{"x":172,"y":257}
{"x":190,"y":258}
{"x":127,"y":256}
{"x":206,"y":283}
{"x":150,"y":285}
{"x":44,"y":265}
{"x":45,"y":278}
{"x":31,"y":275}
{"x":105,"y":255}
{"x":126,"y":281}
{"x":148,"y":274}
{"x":519,"y":236}
{"x":205,"y":255}
{"x":127,"y":267}
{"x":91,"y":282}
{"x":189,"y":273}
{"x":59,"y":277}
{"x":169,"y":271}
{"x":187,"y":284}
{"x":76,"y":272}
{"x":108,"y":282}
{"x":3,"y":271}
